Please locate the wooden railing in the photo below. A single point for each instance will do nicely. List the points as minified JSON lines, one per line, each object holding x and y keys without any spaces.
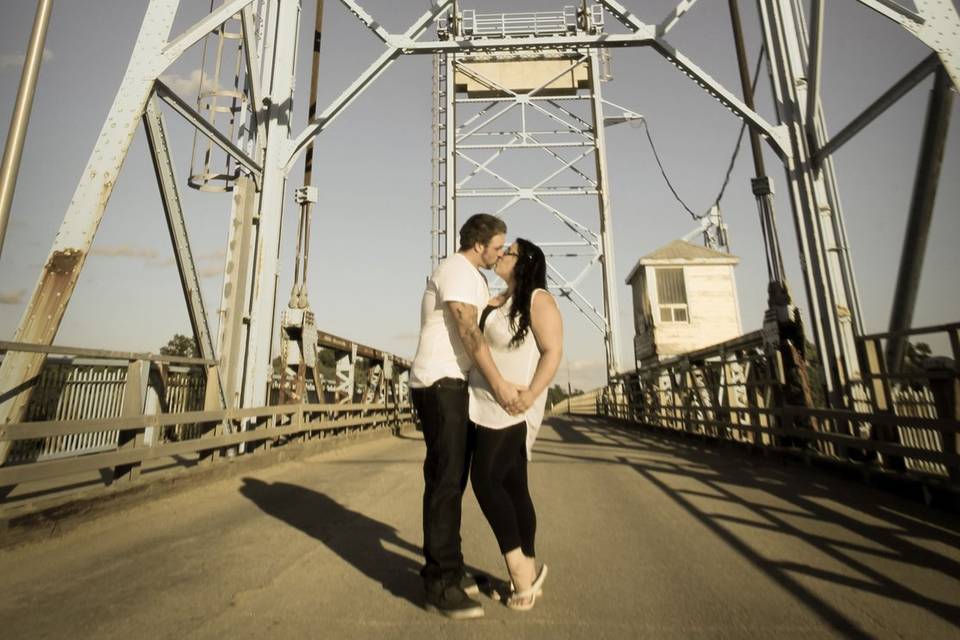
{"x":256,"y":428}
{"x":903,"y":423}
{"x":111,"y":415}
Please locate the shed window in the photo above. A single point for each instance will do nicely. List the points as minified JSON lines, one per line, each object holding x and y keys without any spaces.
{"x":672,"y":295}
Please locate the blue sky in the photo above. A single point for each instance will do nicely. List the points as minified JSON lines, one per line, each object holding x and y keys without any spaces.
{"x":371,"y":242}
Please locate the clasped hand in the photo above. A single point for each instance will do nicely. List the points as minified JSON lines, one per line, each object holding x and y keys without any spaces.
{"x":514,"y":398}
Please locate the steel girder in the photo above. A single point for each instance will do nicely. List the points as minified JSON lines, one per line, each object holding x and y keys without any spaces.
{"x":935,"y":23}
{"x":818,"y":222}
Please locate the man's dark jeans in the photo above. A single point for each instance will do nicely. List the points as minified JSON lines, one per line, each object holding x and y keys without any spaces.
{"x":442,"y":408}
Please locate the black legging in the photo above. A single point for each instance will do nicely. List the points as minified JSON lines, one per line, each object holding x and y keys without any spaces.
{"x":499,"y":478}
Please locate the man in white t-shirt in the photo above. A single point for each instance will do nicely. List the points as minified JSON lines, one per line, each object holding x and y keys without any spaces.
{"x":450,"y":344}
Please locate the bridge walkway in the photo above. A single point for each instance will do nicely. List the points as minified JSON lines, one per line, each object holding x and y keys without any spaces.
{"x":646,"y":535}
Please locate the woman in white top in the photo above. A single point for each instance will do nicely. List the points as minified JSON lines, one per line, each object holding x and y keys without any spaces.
{"x":525,"y":333}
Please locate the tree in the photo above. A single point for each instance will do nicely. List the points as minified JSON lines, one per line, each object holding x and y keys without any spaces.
{"x":556,"y":394}
{"x":180,"y":345}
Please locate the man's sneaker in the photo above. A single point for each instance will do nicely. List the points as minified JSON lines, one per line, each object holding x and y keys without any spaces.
{"x":453,"y":603}
{"x":469,"y":585}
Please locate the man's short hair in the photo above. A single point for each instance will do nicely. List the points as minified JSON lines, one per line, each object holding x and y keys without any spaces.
{"x":480,"y":227}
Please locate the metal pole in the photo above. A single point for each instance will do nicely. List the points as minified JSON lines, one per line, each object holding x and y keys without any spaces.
{"x":298,"y":297}
{"x":282,"y":34}
{"x":21,"y":113}
{"x":921,"y":215}
{"x":450,"y":231}
{"x":745,"y":84}
{"x":761,"y":185}
{"x":814,"y":58}
{"x":611,"y":308}
{"x":314,"y":80}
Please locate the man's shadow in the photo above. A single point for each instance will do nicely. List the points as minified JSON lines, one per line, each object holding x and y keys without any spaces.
{"x":358,"y":539}
{"x":351,"y":535}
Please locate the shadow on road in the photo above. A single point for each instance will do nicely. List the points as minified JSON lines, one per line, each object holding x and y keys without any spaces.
{"x":358,"y":539}
{"x":570,"y":435}
{"x":870,"y":531}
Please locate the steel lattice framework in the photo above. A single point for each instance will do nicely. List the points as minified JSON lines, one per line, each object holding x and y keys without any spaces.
{"x":560,"y":129}
{"x":266,"y":147}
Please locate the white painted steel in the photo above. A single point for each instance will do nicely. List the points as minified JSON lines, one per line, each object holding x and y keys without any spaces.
{"x":611,"y":308}
{"x":827,"y":269}
{"x":936,"y":23}
{"x":282,"y":36}
{"x":45,"y":310}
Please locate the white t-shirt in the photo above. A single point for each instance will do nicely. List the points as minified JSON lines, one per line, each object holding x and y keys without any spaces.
{"x":440,"y":352}
{"x":516,"y":364}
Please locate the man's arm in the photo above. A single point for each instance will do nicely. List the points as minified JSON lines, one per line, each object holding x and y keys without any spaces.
{"x":465,"y":316}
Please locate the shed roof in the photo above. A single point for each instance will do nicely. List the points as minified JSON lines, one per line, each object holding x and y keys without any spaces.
{"x":682,"y":252}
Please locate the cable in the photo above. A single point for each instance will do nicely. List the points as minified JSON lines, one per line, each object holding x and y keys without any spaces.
{"x":656,"y":156}
{"x":743,"y":129}
{"x":733,"y":159}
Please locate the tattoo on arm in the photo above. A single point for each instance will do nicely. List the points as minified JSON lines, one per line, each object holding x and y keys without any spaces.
{"x":466,"y":317}
{"x":471,"y":338}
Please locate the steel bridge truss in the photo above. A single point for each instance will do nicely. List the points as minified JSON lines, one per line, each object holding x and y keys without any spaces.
{"x":266,"y":148}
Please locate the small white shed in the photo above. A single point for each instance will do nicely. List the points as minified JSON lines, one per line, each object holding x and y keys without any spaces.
{"x":684,"y":298}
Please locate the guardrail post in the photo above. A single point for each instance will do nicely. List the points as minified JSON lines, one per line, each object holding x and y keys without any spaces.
{"x":945,"y":385}
{"x":686,"y":399}
{"x":951,"y":441}
{"x":881,"y":398}
{"x":631,"y":387}
{"x":757,"y":399}
{"x":298,"y":422}
{"x":736,"y":396}
{"x":134,"y":404}
{"x":212,"y":401}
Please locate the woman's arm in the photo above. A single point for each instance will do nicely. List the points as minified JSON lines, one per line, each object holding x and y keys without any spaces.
{"x":547,"y":327}
{"x":465,"y":316}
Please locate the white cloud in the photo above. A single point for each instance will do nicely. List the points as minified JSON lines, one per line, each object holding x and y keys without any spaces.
{"x":213,"y":261}
{"x":13,"y":297}
{"x":187,"y":86}
{"x":124,"y":251}
{"x":15,"y":60}
{"x":218,"y":255}
{"x":210,"y":272}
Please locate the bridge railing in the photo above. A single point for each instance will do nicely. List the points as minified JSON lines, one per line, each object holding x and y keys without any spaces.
{"x":903,"y":422}
{"x":112,"y":415}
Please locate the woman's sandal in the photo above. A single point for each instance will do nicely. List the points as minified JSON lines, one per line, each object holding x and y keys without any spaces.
{"x":524,"y":600}
{"x":500,"y":595}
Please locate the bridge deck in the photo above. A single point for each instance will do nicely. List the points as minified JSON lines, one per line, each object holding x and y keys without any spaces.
{"x":646,"y":536}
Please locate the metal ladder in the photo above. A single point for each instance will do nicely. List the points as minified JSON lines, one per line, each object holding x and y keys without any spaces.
{"x":439,"y":163}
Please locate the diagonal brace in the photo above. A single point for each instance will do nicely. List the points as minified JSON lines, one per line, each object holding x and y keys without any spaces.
{"x":166,"y":94}
{"x":366,"y":78}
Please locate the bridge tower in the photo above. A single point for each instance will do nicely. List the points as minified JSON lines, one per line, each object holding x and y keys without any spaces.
{"x":523,"y":130}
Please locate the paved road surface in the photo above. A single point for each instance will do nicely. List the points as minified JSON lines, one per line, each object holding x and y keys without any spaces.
{"x":646,"y":536}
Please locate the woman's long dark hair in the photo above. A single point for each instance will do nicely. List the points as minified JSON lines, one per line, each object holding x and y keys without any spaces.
{"x":529,"y":273}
